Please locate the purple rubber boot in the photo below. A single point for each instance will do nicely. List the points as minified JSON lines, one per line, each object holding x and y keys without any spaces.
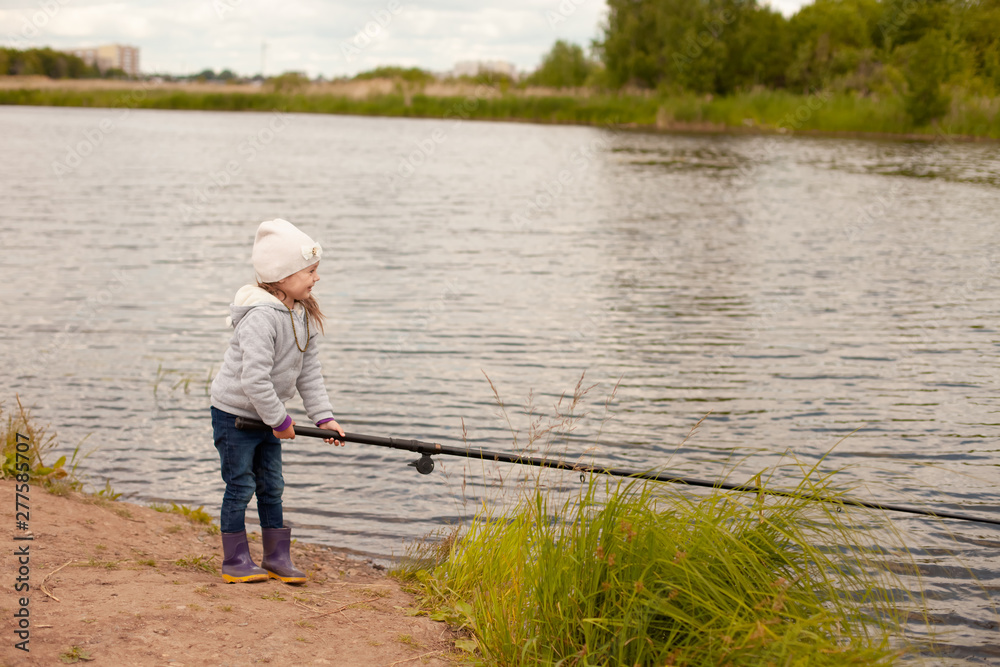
{"x":237,"y":566}
{"x":277,"y":560}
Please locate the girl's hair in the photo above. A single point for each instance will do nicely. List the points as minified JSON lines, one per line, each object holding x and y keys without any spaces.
{"x":310,"y":304}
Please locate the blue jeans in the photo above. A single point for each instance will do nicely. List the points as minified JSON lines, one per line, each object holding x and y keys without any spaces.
{"x":251,"y":463}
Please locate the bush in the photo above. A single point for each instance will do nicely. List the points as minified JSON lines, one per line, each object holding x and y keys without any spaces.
{"x":25,"y":442}
{"x":289,"y":82}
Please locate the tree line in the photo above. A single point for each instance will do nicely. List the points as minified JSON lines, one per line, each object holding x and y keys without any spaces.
{"x":919,"y":49}
{"x":45,"y":62}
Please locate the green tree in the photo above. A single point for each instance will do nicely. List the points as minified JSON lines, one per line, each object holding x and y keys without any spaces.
{"x":758,"y":52}
{"x":830,"y":39}
{"x":43,"y":62}
{"x":27,"y":63}
{"x":926,"y":71}
{"x":904,"y":22}
{"x":978,"y":27}
{"x":648,"y":43}
{"x":698,"y":45}
{"x":564,"y":66}
{"x":990,"y":67}
{"x":884,"y":46}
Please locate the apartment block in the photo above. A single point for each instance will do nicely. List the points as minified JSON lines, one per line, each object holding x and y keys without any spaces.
{"x":111,"y":56}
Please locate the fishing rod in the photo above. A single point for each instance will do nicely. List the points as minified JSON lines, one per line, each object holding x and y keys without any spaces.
{"x":425,"y":466}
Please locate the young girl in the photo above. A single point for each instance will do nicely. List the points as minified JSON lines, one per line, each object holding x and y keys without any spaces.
{"x":272,"y":353}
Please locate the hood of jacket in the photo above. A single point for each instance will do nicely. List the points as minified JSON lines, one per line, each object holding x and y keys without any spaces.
{"x":249,"y":297}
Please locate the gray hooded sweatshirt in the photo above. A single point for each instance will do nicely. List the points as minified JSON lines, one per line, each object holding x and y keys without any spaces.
{"x":263,"y":366}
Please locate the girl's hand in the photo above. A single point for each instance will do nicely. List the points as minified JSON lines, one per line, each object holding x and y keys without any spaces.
{"x":287,"y":434}
{"x":333,"y":426}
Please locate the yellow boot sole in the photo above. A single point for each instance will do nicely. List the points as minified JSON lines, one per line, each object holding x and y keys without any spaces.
{"x":287,"y":580}
{"x":250,"y":578}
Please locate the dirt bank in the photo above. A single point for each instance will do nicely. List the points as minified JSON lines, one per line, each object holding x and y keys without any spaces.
{"x":121,"y":584}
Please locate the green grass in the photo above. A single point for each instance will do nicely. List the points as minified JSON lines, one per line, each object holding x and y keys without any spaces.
{"x":25,"y":444}
{"x":75,"y":654}
{"x":197,"y":515}
{"x":646,"y":574}
{"x":203,"y":563}
{"x":106,"y":564}
{"x":763,"y":110}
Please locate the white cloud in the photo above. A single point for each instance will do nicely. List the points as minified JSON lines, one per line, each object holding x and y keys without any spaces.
{"x":787,"y":7}
{"x":184,"y":36}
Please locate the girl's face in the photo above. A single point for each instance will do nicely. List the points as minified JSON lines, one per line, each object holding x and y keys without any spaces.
{"x":298,"y":286}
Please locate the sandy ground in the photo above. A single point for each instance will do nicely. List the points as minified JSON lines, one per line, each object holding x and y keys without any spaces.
{"x":120,"y":584}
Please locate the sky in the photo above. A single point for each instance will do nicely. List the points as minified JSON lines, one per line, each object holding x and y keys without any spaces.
{"x":320,"y":37}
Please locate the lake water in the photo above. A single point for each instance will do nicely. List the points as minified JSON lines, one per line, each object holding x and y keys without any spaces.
{"x":795,"y":290}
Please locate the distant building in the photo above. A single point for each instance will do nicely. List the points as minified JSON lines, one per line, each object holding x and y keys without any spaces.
{"x":111,"y":56}
{"x":477,"y":67}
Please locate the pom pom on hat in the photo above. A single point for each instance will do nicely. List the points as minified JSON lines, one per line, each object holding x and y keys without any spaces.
{"x":281,"y":249}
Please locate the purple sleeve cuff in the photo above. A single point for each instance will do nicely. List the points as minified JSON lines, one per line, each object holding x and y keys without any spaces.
{"x":323,"y":421}
{"x":285,"y":424}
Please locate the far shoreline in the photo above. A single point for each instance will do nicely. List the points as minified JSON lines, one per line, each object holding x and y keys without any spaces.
{"x":760,"y":113}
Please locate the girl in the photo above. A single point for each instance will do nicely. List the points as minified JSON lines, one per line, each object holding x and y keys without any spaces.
{"x":272,"y":353}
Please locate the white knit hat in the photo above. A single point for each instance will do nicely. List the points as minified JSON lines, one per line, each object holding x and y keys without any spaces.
{"x":281,"y":249}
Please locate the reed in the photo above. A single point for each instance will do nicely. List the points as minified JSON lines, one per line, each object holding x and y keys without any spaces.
{"x":756,"y":110}
{"x":640,"y":574}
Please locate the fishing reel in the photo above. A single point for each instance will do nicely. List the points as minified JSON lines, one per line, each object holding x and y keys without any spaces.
{"x":424,"y":465}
